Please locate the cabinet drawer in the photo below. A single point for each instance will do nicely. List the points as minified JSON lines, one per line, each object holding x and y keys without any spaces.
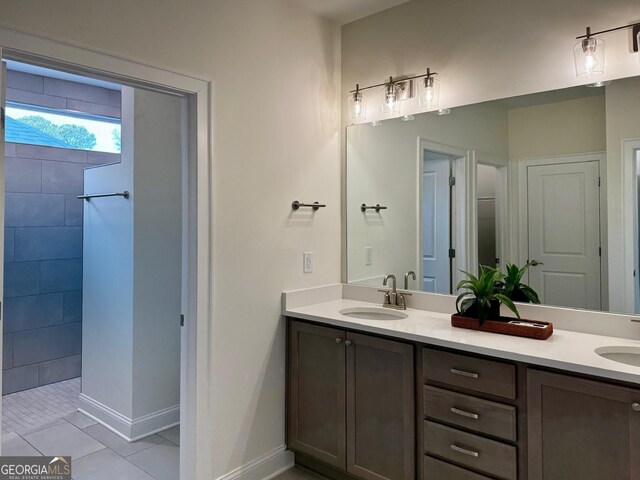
{"x":486,"y":376}
{"x":437,"y":470}
{"x":482,"y":416}
{"x":487,"y":456}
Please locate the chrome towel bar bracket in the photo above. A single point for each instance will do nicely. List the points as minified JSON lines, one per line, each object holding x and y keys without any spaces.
{"x":377,"y":207}
{"x":315,"y":205}
{"x":87,"y":198}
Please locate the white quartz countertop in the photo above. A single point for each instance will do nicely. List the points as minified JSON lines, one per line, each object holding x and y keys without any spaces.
{"x":565,"y":350}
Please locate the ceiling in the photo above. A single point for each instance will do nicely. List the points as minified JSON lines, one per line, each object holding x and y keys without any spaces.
{"x":345,"y":11}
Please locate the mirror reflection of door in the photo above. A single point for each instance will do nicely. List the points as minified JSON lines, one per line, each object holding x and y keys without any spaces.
{"x":563,"y":210}
{"x":436,"y":222}
{"x":487,"y":217}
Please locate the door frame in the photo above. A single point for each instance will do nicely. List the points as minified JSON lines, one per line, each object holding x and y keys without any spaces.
{"x":522,"y":195}
{"x":630,"y":219}
{"x":464,"y":227}
{"x":195,"y":412}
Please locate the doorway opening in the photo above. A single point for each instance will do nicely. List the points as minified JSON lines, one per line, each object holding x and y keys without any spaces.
{"x":93,"y":286}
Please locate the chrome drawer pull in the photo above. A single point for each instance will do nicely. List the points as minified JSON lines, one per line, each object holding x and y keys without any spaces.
{"x":458,"y":449}
{"x":462,"y":373}
{"x":475,"y":416}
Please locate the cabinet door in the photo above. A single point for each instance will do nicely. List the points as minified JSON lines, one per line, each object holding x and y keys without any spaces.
{"x":317,"y":392}
{"x":380,"y":408}
{"x":581,"y":429}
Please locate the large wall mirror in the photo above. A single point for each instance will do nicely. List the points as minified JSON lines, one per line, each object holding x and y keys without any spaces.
{"x":551,"y":177}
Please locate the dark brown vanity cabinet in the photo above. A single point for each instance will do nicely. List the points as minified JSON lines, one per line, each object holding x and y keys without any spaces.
{"x":582,"y":429}
{"x":351,"y":401}
{"x":470,"y":417}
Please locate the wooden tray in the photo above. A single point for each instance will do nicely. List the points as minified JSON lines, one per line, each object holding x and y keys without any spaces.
{"x":504,"y":327}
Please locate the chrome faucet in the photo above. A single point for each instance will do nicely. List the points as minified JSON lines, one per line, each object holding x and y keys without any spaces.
{"x":410,"y":273}
{"x":393,"y":299}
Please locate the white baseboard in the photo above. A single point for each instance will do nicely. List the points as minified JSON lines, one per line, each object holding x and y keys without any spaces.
{"x":263,"y":468}
{"x":125,"y":427}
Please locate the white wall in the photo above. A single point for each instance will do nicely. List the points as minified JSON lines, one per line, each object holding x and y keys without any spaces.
{"x":132,"y":272}
{"x":485,"y":50}
{"x":275,"y":138}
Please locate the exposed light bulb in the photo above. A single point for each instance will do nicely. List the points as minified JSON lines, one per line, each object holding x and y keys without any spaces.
{"x":357,"y":106}
{"x":589,"y":56}
{"x":429,"y":91}
{"x":390,"y":103}
{"x":590,"y":62}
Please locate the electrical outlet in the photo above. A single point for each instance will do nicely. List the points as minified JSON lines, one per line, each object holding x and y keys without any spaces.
{"x":368,"y":255}
{"x":307,"y":262}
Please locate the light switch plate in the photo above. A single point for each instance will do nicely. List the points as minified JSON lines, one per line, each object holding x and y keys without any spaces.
{"x":307,"y":262}
{"x":368,"y":255}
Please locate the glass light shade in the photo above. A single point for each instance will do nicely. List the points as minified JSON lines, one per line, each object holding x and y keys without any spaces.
{"x":428,"y":92}
{"x":390,"y":102}
{"x":589,"y":57}
{"x":357,"y":107}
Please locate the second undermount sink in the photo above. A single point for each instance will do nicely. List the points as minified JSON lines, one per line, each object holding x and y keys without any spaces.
{"x":627,"y":355}
{"x":373,"y":313}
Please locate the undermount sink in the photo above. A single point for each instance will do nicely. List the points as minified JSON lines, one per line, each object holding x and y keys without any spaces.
{"x":373,"y":313}
{"x":628,"y":355}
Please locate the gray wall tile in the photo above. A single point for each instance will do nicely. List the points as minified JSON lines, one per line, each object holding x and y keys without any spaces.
{"x":7,"y":351}
{"x":45,"y":243}
{"x":62,"y":177}
{"x":25,"y":81}
{"x":20,"y":378}
{"x":115,"y":98}
{"x":34,"y":210}
{"x":21,"y":278}
{"x":93,"y":108}
{"x":36,"y":311}
{"x":73,"y":210}
{"x":10,"y":150}
{"x":22,"y":175}
{"x":102,"y":158}
{"x":72,"y":306}
{"x":49,"y":343}
{"x":31,"y":98}
{"x":51,"y":153}
{"x":9,"y":236}
{"x":59,"y":369}
{"x":78,"y":91}
{"x":60,"y":275}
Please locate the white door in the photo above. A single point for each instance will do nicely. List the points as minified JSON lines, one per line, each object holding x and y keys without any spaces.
{"x":564,"y":233}
{"x":436,"y":226}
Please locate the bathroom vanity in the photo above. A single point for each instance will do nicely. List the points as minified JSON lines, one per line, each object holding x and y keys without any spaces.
{"x":413,"y":397}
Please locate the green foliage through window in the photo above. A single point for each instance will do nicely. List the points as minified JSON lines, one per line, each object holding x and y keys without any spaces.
{"x":74,"y":135}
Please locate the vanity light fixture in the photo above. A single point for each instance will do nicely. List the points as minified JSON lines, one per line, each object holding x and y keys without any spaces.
{"x":602,"y":83}
{"x":444,"y":111}
{"x":588,"y":53}
{"x":408,"y":118}
{"x":376,"y":123}
{"x":357,"y":106}
{"x":393,"y":93}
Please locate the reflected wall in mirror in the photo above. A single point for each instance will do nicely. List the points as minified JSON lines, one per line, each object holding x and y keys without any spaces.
{"x":551,"y":177}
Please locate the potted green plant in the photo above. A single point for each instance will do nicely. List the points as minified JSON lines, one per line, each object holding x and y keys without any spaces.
{"x":512,"y":286}
{"x":478,"y":307}
{"x":482,"y":296}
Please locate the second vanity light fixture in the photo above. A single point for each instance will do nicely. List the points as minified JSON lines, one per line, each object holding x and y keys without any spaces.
{"x":588,"y":53}
{"x":393,"y":93}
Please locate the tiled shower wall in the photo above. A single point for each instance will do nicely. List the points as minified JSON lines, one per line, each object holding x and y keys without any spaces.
{"x":43,"y":239}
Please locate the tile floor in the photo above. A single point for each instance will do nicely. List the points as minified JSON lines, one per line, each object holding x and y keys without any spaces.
{"x":97,"y":453}
{"x":23,"y":411}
